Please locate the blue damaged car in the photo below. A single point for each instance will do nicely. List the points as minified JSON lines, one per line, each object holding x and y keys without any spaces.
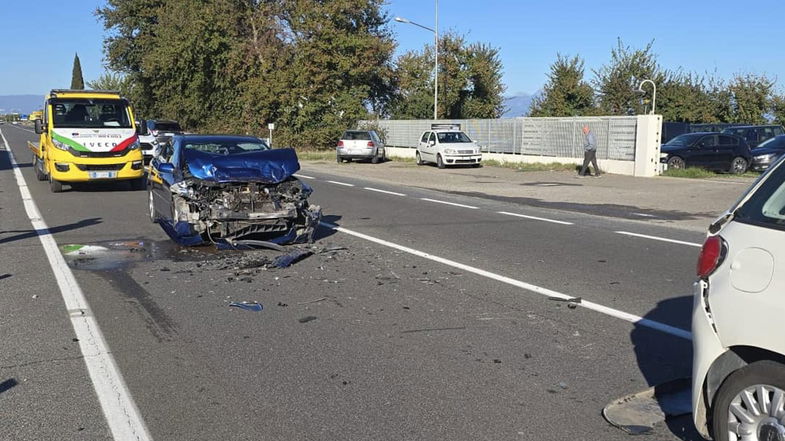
{"x":229,"y":190}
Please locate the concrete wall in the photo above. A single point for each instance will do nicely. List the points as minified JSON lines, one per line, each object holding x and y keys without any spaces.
{"x":627,"y":145}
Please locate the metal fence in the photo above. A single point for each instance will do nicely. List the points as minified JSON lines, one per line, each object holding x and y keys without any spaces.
{"x":556,"y":137}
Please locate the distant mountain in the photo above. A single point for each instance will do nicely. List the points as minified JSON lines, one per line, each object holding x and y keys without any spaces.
{"x":22,"y":104}
{"x":517,"y":105}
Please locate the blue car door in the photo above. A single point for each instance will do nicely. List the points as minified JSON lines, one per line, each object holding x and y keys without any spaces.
{"x":161,"y":178}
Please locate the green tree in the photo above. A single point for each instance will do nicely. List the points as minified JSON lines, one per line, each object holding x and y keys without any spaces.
{"x":110,"y":81}
{"x":77,"y":80}
{"x":617,"y":81}
{"x":132,"y":26}
{"x":685,"y":97}
{"x":414,"y":83}
{"x":470,"y":83}
{"x":778,"y":108}
{"x":566,"y":93}
{"x":751,"y":97}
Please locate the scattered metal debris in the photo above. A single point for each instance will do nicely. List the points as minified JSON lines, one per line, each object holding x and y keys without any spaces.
{"x":638,"y":413}
{"x":248,"y":306}
{"x":291,"y":257}
{"x":313,"y":301}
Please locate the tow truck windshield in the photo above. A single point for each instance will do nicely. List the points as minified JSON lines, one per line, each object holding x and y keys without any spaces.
{"x":90,"y":113}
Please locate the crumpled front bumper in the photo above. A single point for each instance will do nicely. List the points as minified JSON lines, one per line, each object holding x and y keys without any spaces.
{"x":299,"y":232}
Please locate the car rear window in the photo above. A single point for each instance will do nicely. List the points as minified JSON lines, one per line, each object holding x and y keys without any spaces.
{"x":766,"y":206}
{"x":358,"y":136}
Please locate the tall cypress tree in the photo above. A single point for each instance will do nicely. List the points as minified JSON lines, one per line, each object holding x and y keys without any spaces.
{"x":77,"y":81}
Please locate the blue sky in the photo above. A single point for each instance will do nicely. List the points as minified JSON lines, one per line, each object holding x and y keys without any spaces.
{"x":724,"y":37}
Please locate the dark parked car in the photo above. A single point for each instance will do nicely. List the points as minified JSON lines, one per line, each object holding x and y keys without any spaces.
{"x":714,"y":151}
{"x":229,"y":190}
{"x":768,"y":152}
{"x":755,"y":135}
{"x":153,"y":132}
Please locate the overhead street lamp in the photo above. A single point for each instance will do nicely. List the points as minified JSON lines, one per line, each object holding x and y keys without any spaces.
{"x":653,"y":94}
{"x":436,"y":63}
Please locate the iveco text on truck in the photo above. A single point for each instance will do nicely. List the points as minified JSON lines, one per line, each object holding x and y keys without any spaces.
{"x":87,"y":136}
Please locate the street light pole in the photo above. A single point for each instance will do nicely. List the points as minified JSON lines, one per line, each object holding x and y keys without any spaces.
{"x":436,"y":64}
{"x":436,"y":58}
{"x":653,"y":94}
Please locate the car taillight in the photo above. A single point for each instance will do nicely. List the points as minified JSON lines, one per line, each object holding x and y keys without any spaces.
{"x":340,"y":144}
{"x":712,"y":255}
{"x":371,"y":144}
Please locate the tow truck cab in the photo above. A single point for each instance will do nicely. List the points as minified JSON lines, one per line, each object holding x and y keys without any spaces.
{"x":86,"y":136}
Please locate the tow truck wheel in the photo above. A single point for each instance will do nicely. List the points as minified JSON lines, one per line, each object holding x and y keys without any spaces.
{"x":55,"y":185}
{"x":38,"y":167}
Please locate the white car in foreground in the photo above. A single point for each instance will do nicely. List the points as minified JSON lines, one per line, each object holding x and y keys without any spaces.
{"x":448,"y":147}
{"x":738,"y":390}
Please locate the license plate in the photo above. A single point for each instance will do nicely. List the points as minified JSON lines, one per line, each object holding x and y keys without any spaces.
{"x":102,"y":175}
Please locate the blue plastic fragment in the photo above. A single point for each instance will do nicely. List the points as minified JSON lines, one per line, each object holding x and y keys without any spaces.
{"x":248,"y":306}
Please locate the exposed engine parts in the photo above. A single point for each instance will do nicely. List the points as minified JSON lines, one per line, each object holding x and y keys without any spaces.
{"x":251,"y":210}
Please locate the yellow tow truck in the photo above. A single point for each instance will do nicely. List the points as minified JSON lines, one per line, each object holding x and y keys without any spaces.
{"x":87,"y":136}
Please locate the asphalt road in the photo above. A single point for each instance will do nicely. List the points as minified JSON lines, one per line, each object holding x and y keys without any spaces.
{"x":399,"y":334}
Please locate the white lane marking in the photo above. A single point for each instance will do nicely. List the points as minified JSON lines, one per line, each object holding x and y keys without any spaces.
{"x":303,"y":176}
{"x":662,"y":239}
{"x":536,"y":218}
{"x":384,"y":191}
{"x":637,"y":320}
{"x":122,"y":415}
{"x":449,"y":203}
{"x":341,"y":183}
{"x":643,"y":215}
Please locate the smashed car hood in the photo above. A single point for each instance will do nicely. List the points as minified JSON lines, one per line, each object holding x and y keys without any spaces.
{"x":267,"y":166}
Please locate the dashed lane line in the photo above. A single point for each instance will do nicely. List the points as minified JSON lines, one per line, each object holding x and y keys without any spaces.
{"x":122,"y":415}
{"x":449,"y":203}
{"x":304,"y":176}
{"x":661,"y":239}
{"x":545,"y":292}
{"x":535,"y":218}
{"x":384,"y":191}
{"x":341,"y":183}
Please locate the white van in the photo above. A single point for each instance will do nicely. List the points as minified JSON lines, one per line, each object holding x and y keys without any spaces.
{"x":738,"y":390}
{"x":447,"y":147}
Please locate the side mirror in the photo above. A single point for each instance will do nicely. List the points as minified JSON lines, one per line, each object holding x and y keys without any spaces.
{"x":431,"y":143}
{"x":141,"y":127}
{"x":166,"y":167}
{"x":39,"y":126}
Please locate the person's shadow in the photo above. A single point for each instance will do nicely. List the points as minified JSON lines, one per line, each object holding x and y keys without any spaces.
{"x":663,"y":357}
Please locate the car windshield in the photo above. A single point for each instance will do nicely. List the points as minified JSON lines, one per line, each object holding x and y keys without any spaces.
{"x":227,"y":147}
{"x":356,"y":136}
{"x":452,"y":137}
{"x":773,"y":143}
{"x":686,"y":139}
{"x":90,"y":113}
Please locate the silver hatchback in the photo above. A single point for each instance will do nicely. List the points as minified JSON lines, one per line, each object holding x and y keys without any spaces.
{"x":360,"y":144}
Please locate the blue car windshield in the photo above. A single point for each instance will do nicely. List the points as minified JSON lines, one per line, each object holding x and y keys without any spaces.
{"x":686,"y":139}
{"x":228,"y":147}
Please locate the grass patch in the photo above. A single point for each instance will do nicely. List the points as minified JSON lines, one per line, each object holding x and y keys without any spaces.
{"x":521,"y":166}
{"x":700,"y":173}
{"x":316,"y":155}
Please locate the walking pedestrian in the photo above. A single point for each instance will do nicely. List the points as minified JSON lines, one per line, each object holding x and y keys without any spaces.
{"x":589,"y":152}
